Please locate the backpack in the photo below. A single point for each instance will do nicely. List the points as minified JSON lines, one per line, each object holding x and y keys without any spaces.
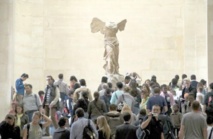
{"x":143,"y":133}
{"x":88,"y":132}
{"x":28,"y":129}
{"x":168,"y":129}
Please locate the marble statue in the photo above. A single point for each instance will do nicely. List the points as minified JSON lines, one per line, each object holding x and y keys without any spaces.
{"x":111,"y":44}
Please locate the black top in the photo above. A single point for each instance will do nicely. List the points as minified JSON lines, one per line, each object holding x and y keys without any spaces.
{"x":8,"y":131}
{"x":101,"y":135}
{"x":126,"y":131}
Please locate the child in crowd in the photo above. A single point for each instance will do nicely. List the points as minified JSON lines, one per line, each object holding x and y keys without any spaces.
{"x":176,"y":117}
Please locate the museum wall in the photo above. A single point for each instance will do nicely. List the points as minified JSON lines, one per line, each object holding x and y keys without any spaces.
{"x":161,"y":37}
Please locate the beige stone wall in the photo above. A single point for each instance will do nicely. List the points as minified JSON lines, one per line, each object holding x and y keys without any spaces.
{"x":210,"y":40}
{"x":6,"y":54}
{"x":161,"y":37}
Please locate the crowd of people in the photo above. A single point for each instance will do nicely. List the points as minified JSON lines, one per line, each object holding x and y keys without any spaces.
{"x":181,"y":109}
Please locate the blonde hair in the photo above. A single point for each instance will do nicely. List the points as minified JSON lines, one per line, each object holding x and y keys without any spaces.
{"x":103,"y":126}
{"x":126,"y":108}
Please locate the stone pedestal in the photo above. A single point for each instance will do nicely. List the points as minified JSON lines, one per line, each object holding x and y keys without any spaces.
{"x":114,"y":78}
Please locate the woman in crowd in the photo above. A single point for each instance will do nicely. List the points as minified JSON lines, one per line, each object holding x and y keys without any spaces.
{"x":103,"y":128}
{"x":33,"y":130}
{"x":21,"y":118}
{"x":126,"y":108}
{"x":8,"y":129}
{"x":145,"y":97}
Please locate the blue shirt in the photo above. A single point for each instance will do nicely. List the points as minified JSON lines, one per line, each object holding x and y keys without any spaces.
{"x":76,"y":131}
{"x":19,"y":86}
{"x":115,"y":96}
{"x":156,"y":100}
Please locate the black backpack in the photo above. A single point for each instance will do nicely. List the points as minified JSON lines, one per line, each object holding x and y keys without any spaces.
{"x":28,"y":128}
{"x":88,"y":132}
{"x":168,"y":129}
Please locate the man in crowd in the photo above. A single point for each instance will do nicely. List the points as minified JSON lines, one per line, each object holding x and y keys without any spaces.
{"x":76,"y":131}
{"x":31,"y":102}
{"x":156,"y":99}
{"x":193,"y":81}
{"x":51,"y":101}
{"x":153,"y":124}
{"x":117,"y":93}
{"x":126,"y":130}
{"x":20,"y":87}
{"x":193,"y":124}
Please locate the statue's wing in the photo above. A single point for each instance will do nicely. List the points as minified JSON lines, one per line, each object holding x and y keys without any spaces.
{"x":122,"y":25}
{"x":97,"y":25}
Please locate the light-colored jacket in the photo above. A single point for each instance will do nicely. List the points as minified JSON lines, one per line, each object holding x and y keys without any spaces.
{"x":78,"y":93}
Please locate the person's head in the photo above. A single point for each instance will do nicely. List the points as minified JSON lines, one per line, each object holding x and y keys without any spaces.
{"x":10,"y":119}
{"x":200,"y":87}
{"x":154,"y":78}
{"x":104,"y":79}
{"x":79,"y":112}
{"x":156,"y":90}
{"x":73,"y":79}
{"x":85,"y":95}
{"x":144,"y":93}
{"x":50,"y":80}
{"x":211,"y":86}
{"x":107,"y":92}
{"x":186,"y":83}
{"x":127,"y":79}
{"x":177,"y":77}
{"x":156,"y":109}
{"x":145,"y":86}
{"x":96,"y":95}
{"x":70,"y":93}
{"x":24,"y":76}
{"x":175,"y":108}
{"x":105,"y":86}
{"x":147,"y":82}
{"x":126,"y":108}
{"x":209,"y":119}
{"x":109,"y":84}
{"x":119,"y":85}
{"x":61,"y":76}
{"x":41,"y":93}
{"x":203,"y":82}
{"x":184,"y":76}
{"x":195,"y":105}
{"x":174,"y":82}
{"x":62,"y":122}
{"x":133,"y":84}
{"x":126,"y":116}
{"x":36,"y":117}
{"x":193,"y":77}
{"x":28,"y":88}
{"x":127,"y":89}
{"x":143,"y":112}
{"x":164,"y":88}
{"x":82,"y":82}
{"x":112,"y":107}
{"x":191,"y":97}
{"x":19,"y":109}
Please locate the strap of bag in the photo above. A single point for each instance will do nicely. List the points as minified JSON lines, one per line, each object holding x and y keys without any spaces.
{"x":28,"y":128}
{"x":116,"y":95}
{"x":123,"y":97}
{"x":36,"y":100}
{"x":98,"y":108}
{"x":210,"y":135}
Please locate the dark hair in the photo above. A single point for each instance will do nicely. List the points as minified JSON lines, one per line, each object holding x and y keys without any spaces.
{"x":108,"y":91}
{"x":195,"y":105}
{"x":156,"y":105}
{"x":211,"y":85}
{"x":85,"y":95}
{"x":51,"y":78}
{"x":157,"y":90}
{"x":193,"y":77}
{"x":203,"y":81}
{"x":82,"y":82}
{"x":154,"y":78}
{"x":127,"y":78}
{"x":177,"y":77}
{"x":19,"y":105}
{"x":104,"y":79}
{"x":174,"y":81}
{"x":73,"y":78}
{"x":60,"y":76}
{"x":62,"y":121}
{"x":79,"y":112}
{"x":119,"y":85}
{"x":109,"y":84}
{"x":163,"y":86}
{"x":96,"y":95}
{"x":184,"y":76}
{"x":209,"y":119}
{"x":126,"y":116}
{"x":113,"y":107}
{"x":24,"y":75}
{"x":143,"y":112}
{"x":29,"y":85}
{"x":191,"y":94}
{"x":76,"y":86}
{"x":40,"y":92}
